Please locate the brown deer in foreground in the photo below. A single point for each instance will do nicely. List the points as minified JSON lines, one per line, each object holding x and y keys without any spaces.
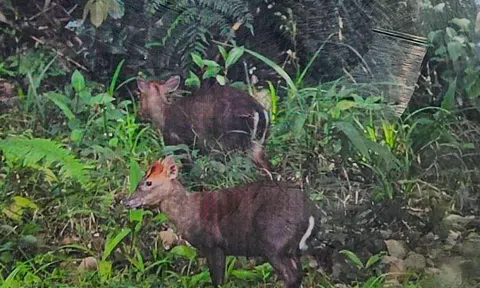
{"x":212,"y":116}
{"x":262,"y":219}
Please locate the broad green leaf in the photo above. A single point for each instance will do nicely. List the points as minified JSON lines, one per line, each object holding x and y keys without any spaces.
{"x":138,"y":214}
{"x":439,"y":7}
{"x":112,"y":243}
{"x":184,"y":251}
{"x":105,"y":269}
{"x":25,"y":202}
{"x":101,"y":99}
{"x":223,"y":52}
{"x":78,"y":81}
{"x":192,"y":80}
{"x":246,"y":275}
{"x":373,"y":260}
{"x":135,"y":174}
{"x":113,"y":142}
{"x":346,"y":105}
{"x":160,"y":218}
{"x":354,"y":136}
{"x":354,"y":258}
{"x":61,"y":101}
{"x":202,"y":277}
{"x":76,"y":135}
{"x":455,"y":50}
{"x":87,"y":9}
{"x":97,"y":12}
{"x":233,"y":56}
{"x":448,"y":102}
{"x":463,"y":23}
{"x":212,"y":71}
{"x":451,"y":32}
{"x":239,"y":85}
{"x":210,"y":63}
{"x":441,"y":50}
{"x":13,"y":212}
{"x":197,"y":59}
{"x":220,"y":79}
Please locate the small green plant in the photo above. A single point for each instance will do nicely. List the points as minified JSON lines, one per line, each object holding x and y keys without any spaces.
{"x":99,"y":10}
{"x":454,"y":47}
{"x":214,"y":70}
{"x":44,"y":154}
{"x":373,"y":281}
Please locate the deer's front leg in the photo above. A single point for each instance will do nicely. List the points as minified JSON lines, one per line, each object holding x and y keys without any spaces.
{"x":216,"y":265}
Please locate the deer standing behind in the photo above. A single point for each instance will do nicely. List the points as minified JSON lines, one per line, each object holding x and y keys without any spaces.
{"x":261,"y":219}
{"x":214,"y":116}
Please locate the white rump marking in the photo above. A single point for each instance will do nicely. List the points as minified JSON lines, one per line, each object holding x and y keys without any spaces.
{"x":303,"y":242}
{"x":266,"y":126}
{"x":256,"y":118}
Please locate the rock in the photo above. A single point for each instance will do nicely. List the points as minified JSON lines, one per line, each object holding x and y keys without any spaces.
{"x":386,"y":233}
{"x":392,"y":283}
{"x":396,"y":248}
{"x":432,"y":272}
{"x":451,"y":272}
{"x":389,"y":259}
{"x":415,"y":262}
{"x":396,"y":271}
{"x":88,"y":264}
{"x":69,"y":240}
{"x":395,"y":267}
{"x":452,"y":238}
{"x":168,"y":238}
{"x":471,"y":246}
{"x":456,"y":222}
{"x":312,"y":262}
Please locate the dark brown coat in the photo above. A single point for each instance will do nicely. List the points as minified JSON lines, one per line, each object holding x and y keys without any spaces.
{"x":213,"y":117}
{"x":262,"y":219}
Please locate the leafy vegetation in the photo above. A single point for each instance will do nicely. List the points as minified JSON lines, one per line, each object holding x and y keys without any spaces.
{"x":72,"y":148}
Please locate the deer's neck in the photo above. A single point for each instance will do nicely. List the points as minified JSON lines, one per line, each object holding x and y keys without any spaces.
{"x":181,"y":207}
{"x":158,"y":108}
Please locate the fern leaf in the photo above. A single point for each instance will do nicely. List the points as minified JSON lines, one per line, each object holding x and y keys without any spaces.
{"x":191,"y":24}
{"x":44,"y":152}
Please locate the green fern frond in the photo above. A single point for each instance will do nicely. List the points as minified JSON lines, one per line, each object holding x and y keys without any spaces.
{"x":191,"y":24}
{"x":32,"y":152}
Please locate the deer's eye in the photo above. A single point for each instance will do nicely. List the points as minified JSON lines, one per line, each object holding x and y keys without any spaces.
{"x":149,"y":183}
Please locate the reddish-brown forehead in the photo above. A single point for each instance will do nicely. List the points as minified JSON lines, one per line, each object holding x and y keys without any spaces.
{"x":155,"y":170}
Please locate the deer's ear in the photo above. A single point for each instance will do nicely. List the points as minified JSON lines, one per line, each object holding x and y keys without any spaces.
{"x":143,"y":85}
{"x":171,"y":167}
{"x":172,"y":83}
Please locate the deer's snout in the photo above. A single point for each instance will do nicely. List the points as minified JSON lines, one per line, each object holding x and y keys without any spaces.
{"x":132,"y":202}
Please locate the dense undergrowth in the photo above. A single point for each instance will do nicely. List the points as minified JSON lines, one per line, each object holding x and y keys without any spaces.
{"x":71,"y":151}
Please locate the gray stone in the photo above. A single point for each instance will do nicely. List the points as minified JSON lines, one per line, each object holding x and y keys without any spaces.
{"x":396,"y":248}
{"x":471,"y":246}
{"x":415,"y":262}
{"x":456,"y":222}
{"x":451,"y":272}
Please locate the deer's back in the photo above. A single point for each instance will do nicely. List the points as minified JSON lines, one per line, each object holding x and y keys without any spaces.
{"x":262,"y":211}
{"x":215,"y":113}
